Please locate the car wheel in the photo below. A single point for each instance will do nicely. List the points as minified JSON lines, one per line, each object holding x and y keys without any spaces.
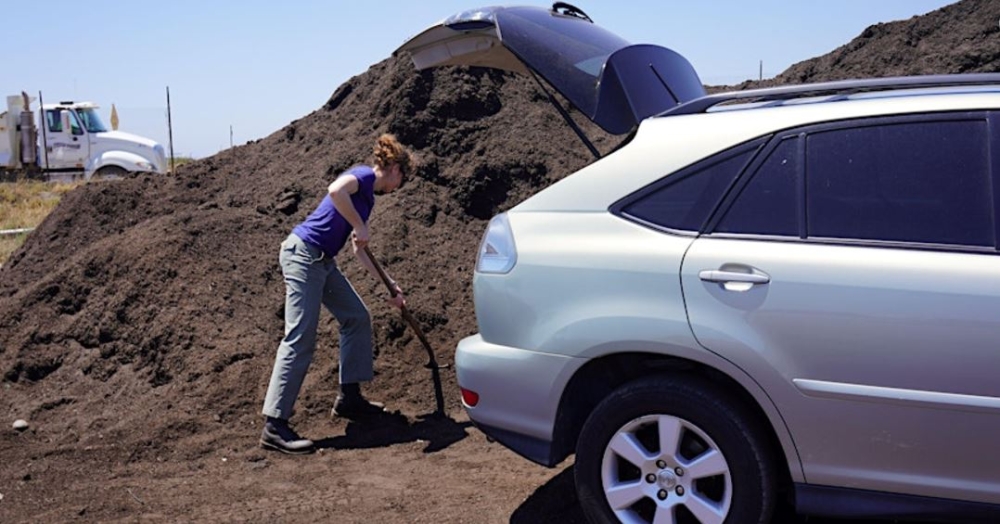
{"x":109,"y":173}
{"x":672,"y":449}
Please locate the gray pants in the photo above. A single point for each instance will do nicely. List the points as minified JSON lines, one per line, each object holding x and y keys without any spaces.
{"x":310,"y":280}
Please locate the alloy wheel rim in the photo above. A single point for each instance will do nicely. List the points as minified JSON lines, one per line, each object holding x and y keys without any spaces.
{"x":663,"y":469}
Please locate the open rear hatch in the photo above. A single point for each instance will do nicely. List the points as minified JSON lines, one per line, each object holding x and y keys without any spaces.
{"x":615,"y":84}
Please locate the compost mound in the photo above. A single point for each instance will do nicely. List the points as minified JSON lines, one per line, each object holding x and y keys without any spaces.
{"x":146,"y":311}
{"x":139,"y":322}
{"x":157,"y":300}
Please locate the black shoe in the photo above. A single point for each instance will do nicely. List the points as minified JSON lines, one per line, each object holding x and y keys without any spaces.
{"x":279,"y":437}
{"x":356,"y":407}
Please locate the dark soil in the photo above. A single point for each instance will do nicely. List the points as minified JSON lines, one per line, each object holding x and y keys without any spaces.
{"x":138,"y":323}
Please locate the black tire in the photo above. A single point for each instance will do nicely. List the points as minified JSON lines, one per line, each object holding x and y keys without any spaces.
{"x":707,"y":423}
{"x":109,"y":173}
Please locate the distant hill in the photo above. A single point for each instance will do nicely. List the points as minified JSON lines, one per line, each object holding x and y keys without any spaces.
{"x":963,"y":37}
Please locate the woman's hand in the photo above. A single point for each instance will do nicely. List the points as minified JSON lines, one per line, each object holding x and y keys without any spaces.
{"x":400,"y":299}
{"x":359,"y":239}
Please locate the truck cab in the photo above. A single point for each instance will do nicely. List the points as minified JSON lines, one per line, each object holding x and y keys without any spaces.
{"x":75,"y":139}
{"x":72,"y":140}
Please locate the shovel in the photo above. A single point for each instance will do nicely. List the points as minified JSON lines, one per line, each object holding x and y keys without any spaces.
{"x":432,"y":362}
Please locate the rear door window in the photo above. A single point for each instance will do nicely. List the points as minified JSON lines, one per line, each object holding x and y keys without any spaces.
{"x":768,"y":205}
{"x":920,"y":180}
{"x":926,"y":182}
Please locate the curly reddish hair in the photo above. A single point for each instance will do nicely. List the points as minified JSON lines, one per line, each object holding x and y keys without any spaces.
{"x":389,"y":151}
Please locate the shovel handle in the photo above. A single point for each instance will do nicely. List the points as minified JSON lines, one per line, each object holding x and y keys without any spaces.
{"x":431,"y":361}
{"x":406,"y":312}
{"x":381,"y":273}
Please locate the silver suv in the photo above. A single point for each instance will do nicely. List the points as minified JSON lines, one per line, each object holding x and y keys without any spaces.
{"x":792,"y":291}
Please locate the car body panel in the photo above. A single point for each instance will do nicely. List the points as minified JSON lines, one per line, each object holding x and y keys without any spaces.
{"x":611,"y":287}
{"x":514,"y":385}
{"x":575,"y":313}
{"x":882,"y":361}
{"x":470,"y":38}
{"x":616,"y":85}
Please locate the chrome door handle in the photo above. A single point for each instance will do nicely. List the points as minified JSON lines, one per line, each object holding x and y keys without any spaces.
{"x":735,"y":281}
{"x":717,"y":275}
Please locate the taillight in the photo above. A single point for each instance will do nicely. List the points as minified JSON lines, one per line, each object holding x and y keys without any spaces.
{"x":497,"y":253}
{"x":470,"y":398}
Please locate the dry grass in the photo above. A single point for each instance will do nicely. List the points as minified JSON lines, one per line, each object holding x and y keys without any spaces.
{"x":24,"y":204}
{"x":179,"y":161}
{"x":9,"y":244}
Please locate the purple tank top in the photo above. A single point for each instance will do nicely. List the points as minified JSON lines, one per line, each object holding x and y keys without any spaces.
{"x":325,"y":228}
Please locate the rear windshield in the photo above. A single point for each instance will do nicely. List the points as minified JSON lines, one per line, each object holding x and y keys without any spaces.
{"x":570,"y":52}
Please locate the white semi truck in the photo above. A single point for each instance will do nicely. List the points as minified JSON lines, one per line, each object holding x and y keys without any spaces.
{"x":71,"y":141}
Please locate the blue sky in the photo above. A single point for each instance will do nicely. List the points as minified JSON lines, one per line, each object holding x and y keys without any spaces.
{"x":257,"y":65}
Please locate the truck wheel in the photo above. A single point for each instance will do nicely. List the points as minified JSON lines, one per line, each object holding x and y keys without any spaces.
{"x":674,"y":449}
{"x":109,"y":173}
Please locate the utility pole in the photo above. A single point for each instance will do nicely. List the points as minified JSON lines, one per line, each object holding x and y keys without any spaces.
{"x":761,"y":74}
{"x":230,"y":136}
{"x":170,"y":131}
{"x":44,"y":125}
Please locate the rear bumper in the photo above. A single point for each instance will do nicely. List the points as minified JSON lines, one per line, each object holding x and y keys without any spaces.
{"x":519,"y":392}
{"x":536,"y":450}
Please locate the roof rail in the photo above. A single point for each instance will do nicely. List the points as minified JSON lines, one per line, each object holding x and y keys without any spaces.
{"x":840,"y":87}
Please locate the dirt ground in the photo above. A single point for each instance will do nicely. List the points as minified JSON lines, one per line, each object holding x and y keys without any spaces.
{"x":138,"y":323}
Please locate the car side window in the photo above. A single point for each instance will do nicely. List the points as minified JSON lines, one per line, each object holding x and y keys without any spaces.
{"x":683,"y":201}
{"x":768,"y":205}
{"x":926,"y":182}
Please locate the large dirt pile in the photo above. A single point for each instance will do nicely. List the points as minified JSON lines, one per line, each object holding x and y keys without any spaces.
{"x":959,"y":38}
{"x":963,"y":37}
{"x":153,"y":303}
{"x":140,"y":320}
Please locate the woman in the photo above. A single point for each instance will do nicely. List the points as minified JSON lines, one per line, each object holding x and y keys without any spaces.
{"x":313,"y":278}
